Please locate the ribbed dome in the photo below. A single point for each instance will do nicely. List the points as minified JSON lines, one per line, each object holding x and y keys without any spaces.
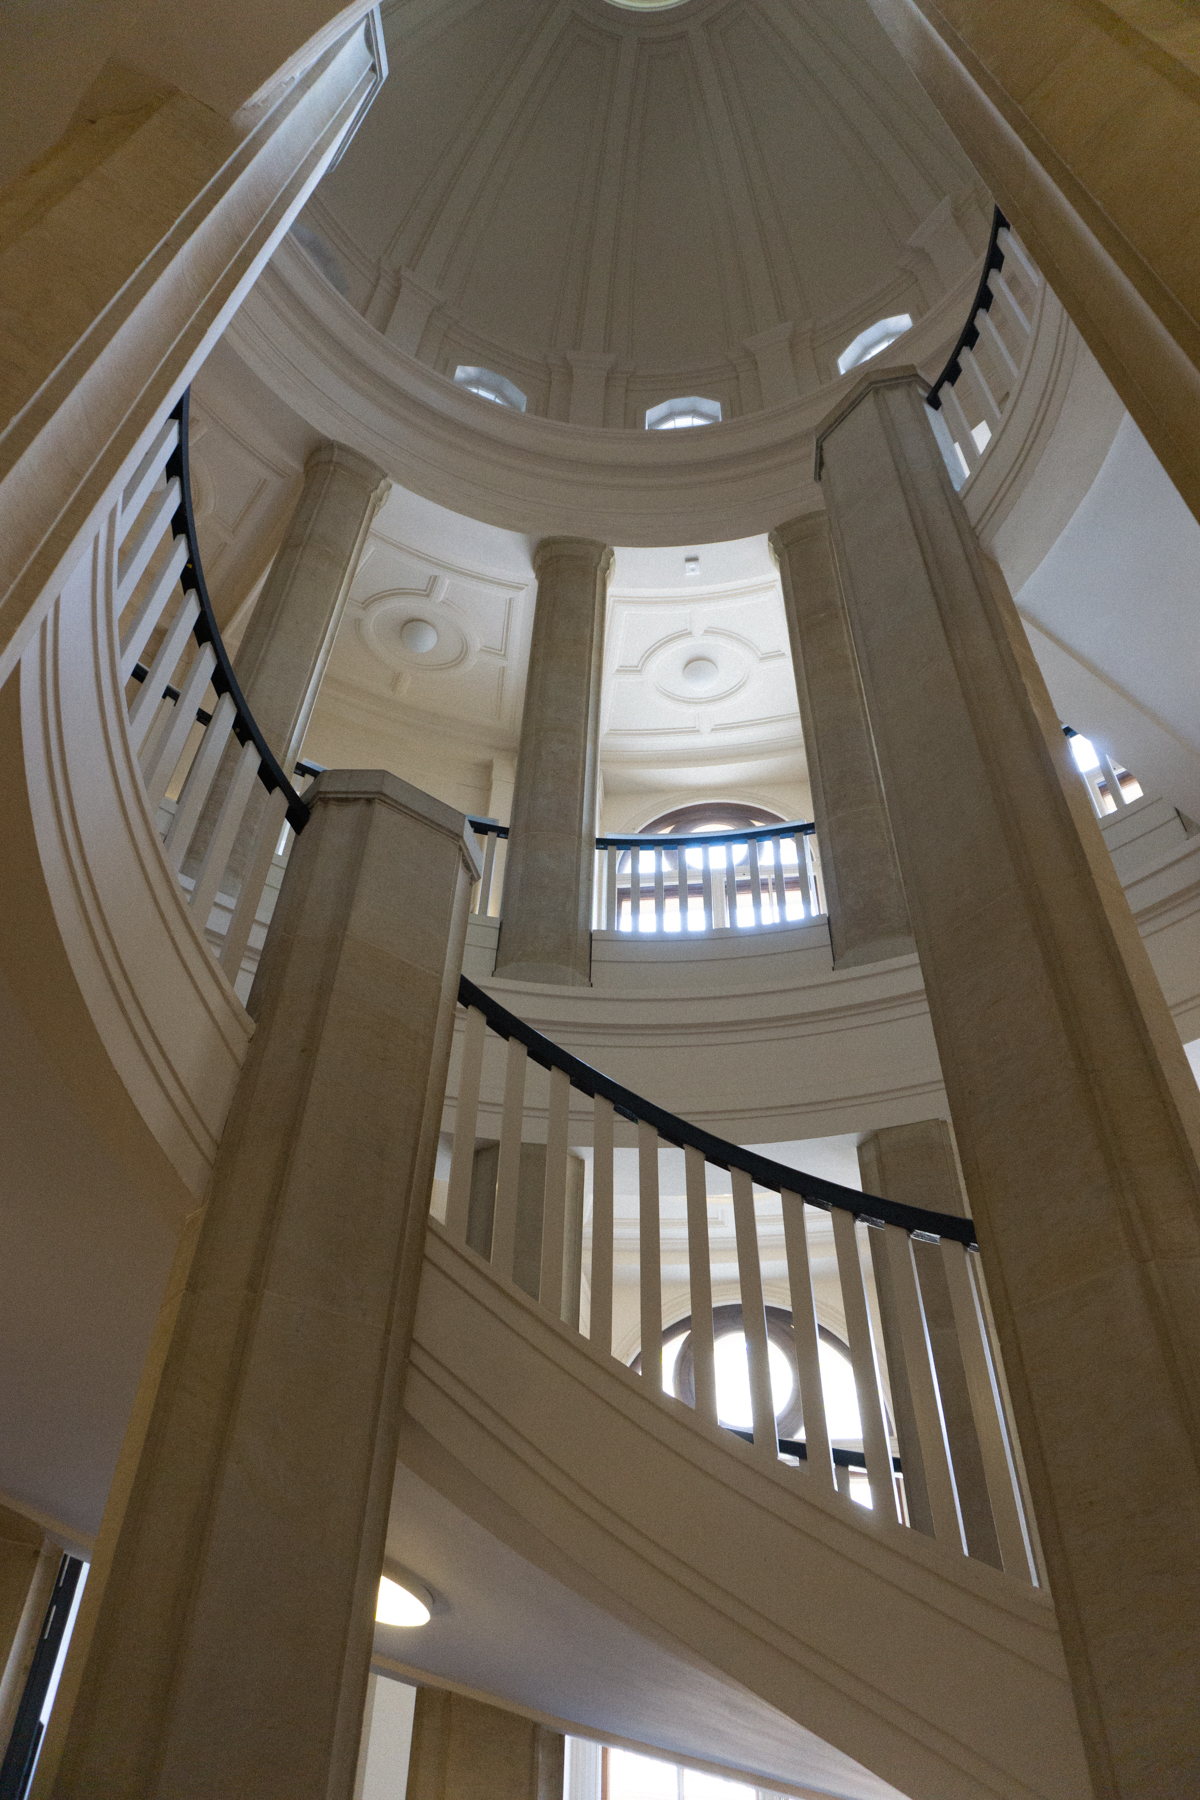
{"x":611,"y":206}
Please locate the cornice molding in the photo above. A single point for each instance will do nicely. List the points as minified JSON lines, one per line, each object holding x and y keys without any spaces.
{"x":535,"y":475}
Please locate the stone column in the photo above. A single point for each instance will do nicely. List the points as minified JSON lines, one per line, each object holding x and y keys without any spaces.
{"x":463,"y":1749}
{"x":917,"y":1166}
{"x":283,"y":657}
{"x":546,"y":928}
{"x":1076,"y":1116}
{"x":1071,"y":140}
{"x":868,"y":915}
{"x":232,"y":1647}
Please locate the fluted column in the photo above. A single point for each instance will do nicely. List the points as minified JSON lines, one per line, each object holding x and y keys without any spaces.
{"x":232,"y":1646}
{"x":282,"y":659}
{"x":868,"y":915}
{"x":546,"y":930}
{"x":1076,"y":1116}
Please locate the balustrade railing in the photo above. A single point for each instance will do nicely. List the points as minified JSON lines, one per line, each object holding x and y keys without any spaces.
{"x":711,"y":881}
{"x":748,"y":1289}
{"x":971,"y":395}
{"x":186,"y":710}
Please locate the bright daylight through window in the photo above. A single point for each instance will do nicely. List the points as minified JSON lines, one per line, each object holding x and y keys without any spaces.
{"x":870,"y":342}
{"x":489,"y":386}
{"x":691,"y":409}
{"x":633,"y":1777}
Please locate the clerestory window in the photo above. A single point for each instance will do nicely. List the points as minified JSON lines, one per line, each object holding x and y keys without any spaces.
{"x":870,"y":342}
{"x":691,"y":409}
{"x":489,"y":386}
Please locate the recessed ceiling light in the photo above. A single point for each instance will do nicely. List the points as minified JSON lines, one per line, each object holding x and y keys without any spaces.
{"x":400,"y":1606}
{"x":418,"y":636}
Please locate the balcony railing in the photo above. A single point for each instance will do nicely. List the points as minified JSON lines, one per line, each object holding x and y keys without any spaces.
{"x":970,"y":397}
{"x":860,"y":1325}
{"x":186,"y":709}
{"x":706,"y":882}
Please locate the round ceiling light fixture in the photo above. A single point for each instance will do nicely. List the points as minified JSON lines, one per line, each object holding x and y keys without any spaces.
{"x":418,"y":636}
{"x":700,"y":673}
{"x":407,"y":1605}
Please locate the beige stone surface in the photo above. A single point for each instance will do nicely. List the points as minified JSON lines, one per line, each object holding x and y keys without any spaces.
{"x":1084,"y":120}
{"x":868,"y":918}
{"x":1075,"y":1112}
{"x":28,"y":1568}
{"x":232,"y":1648}
{"x":546,"y":933}
{"x":463,"y":1749}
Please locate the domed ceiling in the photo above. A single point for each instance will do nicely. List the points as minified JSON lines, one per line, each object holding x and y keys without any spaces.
{"x":613,"y":205}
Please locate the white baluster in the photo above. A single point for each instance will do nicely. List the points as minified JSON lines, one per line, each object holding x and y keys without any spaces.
{"x":162,"y":750}
{"x":152,"y":608}
{"x":148,"y":699}
{"x":554,"y":1198}
{"x":779,"y":880}
{"x":1009,"y":302}
{"x":754,"y":1317}
{"x":987,"y":1410}
{"x":987,"y":327}
{"x":483,"y":898}
{"x":991,"y":406}
{"x":200,"y":778}
{"x":808,"y":1355}
{"x":602,"y":1224}
{"x":755,"y":880}
{"x":220,"y":845}
{"x":921,"y":1377}
{"x":706,"y":885}
{"x":1112,"y":782}
{"x":812,"y":850}
{"x":466,"y":1115}
{"x":258,"y":867}
{"x":660,"y":899}
{"x":731,"y":884}
{"x":957,"y":419}
{"x":700,"y":1278}
{"x":611,"y":859}
{"x":508,"y":1169}
{"x":650,"y":1275}
{"x":132,"y":566}
{"x":1011,"y":245}
{"x":807,"y":903}
{"x":864,"y":1364}
{"x":635,"y":888}
{"x":149,"y":470}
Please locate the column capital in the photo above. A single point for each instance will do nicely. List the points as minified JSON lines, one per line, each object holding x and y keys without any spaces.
{"x":907,"y":375}
{"x":800,"y":530}
{"x":587,"y":549}
{"x":330,"y":454}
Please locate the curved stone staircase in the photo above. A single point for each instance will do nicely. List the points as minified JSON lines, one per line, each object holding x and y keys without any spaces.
{"x":941,"y":1675}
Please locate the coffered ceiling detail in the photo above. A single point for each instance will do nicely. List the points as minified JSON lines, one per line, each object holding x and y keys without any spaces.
{"x":610,"y":207}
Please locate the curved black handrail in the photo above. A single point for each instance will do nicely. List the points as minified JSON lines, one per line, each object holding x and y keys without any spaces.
{"x":829,"y":1195}
{"x":646,"y":840}
{"x":968,"y":337}
{"x":206,"y":630}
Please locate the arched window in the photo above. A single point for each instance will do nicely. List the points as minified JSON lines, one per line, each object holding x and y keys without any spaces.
{"x":687,"y":410}
{"x":489,"y":386}
{"x":870,"y":342}
{"x":712,"y":815}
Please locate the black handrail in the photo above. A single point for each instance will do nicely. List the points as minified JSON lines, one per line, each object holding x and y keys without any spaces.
{"x":646,"y":840}
{"x":206,"y":630}
{"x":829,"y":1195}
{"x":968,"y":337}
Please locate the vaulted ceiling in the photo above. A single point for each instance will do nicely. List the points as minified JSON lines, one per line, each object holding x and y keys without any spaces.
{"x":612,"y":206}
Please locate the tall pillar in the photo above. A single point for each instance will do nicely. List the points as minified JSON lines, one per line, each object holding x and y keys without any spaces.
{"x":283,"y":657}
{"x":464,"y":1749}
{"x":231,"y":1651}
{"x":1076,"y":1116}
{"x":546,"y":928}
{"x":1084,"y":121}
{"x":916,"y":1165}
{"x":868,"y":914}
